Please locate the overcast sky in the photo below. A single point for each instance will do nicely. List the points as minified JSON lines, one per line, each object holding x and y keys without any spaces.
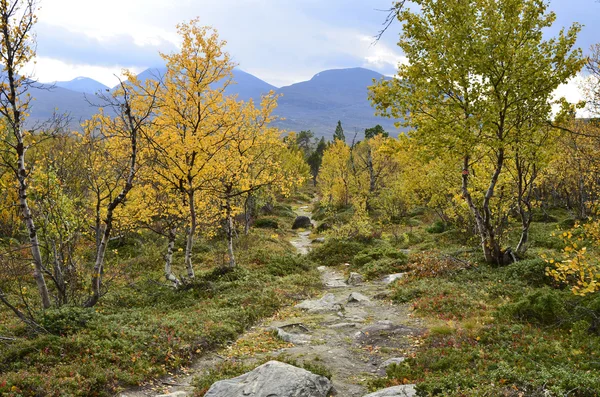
{"x":279,"y":41}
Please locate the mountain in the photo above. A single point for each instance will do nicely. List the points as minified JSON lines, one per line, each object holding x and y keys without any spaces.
{"x":332,"y":95}
{"x":245,"y":85}
{"x":82,"y":84}
{"x":316,"y":104}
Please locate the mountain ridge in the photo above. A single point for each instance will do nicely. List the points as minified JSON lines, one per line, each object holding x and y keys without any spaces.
{"x":316,"y":104}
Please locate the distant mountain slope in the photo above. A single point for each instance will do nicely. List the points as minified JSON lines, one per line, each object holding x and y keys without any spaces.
{"x":245,"y":85}
{"x":316,"y":104}
{"x":332,"y":95}
{"x":50,"y":99}
{"x":82,"y":84}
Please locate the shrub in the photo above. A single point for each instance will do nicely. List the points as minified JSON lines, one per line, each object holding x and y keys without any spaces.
{"x":381,"y":267}
{"x":531,"y":271}
{"x":66,"y":320}
{"x":336,"y":251}
{"x":377,"y":252}
{"x":437,"y":227}
{"x":284,"y":265}
{"x":266,"y":223}
{"x":283,"y":210}
{"x":568,"y":223}
{"x":543,"y":306}
{"x":379,"y":260}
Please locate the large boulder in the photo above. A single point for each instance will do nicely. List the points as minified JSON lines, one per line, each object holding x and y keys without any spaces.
{"x":273,"y":379}
{"x":302,"y":222}
{"x":396,"y":391}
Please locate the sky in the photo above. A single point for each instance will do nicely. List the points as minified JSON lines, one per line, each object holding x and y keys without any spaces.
{"x":279,"y":41}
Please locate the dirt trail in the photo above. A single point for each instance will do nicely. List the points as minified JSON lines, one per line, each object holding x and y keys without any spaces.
{"x":351,"y":339}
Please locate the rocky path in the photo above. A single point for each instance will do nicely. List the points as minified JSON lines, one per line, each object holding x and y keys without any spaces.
{"x":302,"y":240}
{"x":352,"y":329}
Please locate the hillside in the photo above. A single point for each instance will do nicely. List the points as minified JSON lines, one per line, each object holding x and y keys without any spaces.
{"x":331,"y":95}
{"x":82,"y":84}
{"x":316,"y":104}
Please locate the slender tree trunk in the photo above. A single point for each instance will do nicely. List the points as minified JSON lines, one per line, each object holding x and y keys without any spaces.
{"x":524,"y":202}
{"x":38,"y":270}
{"x":478,"y":218}
{"x":169,"y":259}
{"x":491,"y":248}
{"x":248,"y":209}
{"x":98,"y":223}
{"x":190,"y":237}
{"x":108,"y":222}
{"x":582,"y":209}
{"x":28,"y":321}
{"x":372,"y":178}
{"x":230,"y":234}
{"x":59,"y":278}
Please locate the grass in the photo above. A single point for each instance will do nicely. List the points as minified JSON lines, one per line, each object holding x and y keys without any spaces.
{"x":498,"y":332}
{"x":143,"y":329}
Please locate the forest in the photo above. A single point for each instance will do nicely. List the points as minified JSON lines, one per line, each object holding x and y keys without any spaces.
{"x":159,"y":232}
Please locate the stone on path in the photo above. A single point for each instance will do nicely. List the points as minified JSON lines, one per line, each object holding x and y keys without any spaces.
{"x":273,"y":379}
{"x":325,"y":304}
{"x":396,"y":391}
{"x":322,"y":268}
{"x":302,"y":222}
{"x":175,"y":394}
{"x":319,"y":240}
{"x":355,"y":279}
{"x":335,"y":283}
{"x":394,"y":360}
{"x":343,"y":325}
{"x":296,"y":339}
{"x":390,"y":278}
{"x":357,"y":297}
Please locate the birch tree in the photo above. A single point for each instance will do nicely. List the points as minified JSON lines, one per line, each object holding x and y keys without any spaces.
{"x":480,"y":78}
{"x":123,"y":134}
{"x":193,"y":118}
{"x":17,"y":48}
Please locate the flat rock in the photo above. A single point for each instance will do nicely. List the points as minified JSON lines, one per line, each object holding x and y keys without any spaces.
{"x":319,"y":240}
{"x":325,"y":304}
{"x":273,"y":379}
{"x":394,"y":360}
{"x":357,"y":297}
{"x":390,"y":278}
{"x":335,"y":283}
{"x":322,"y":268}
{"x":175,"y":394}
{"x":343,"y":325}
{"x":296,"y":339}
{"x":396,"y":391}
{"x":355,"y":279}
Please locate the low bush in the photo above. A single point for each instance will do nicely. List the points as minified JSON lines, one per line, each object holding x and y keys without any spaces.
{"x":379,"y":260}
{"x":266,"y":223}
{"x":336,"y":251}
{"x":66,"y":320}
{"x":544,"y":306}
{"x":437,"y":227}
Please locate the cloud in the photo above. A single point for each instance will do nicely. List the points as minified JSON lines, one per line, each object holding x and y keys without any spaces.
{"x":574,"y":91}
{"x":48,"y":70}
{"x":78,"y":47}
{"x":281,"y":41}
